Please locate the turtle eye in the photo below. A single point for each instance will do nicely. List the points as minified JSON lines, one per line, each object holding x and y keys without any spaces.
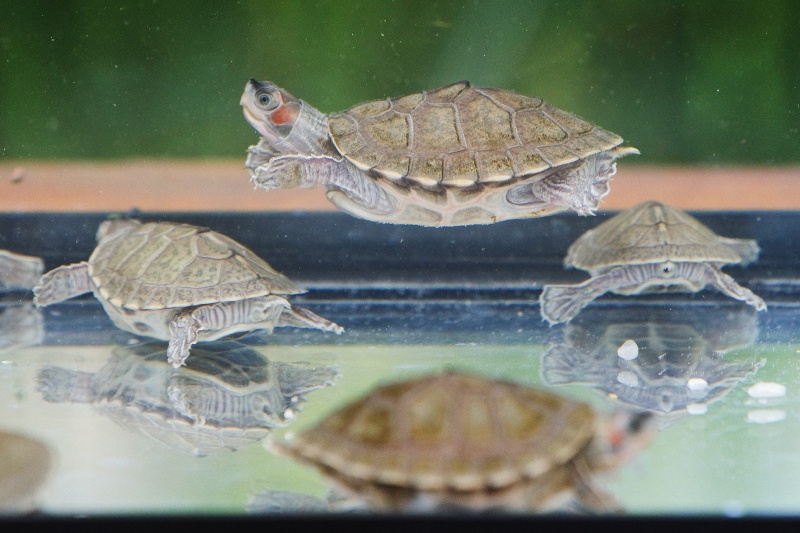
{"x":265,"y":101}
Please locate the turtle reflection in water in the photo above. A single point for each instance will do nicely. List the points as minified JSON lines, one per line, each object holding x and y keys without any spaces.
{"x":179,"y":283}
{"x":227,"y":397}
{"x":673,"y":349}
{"x":21,"y":325}
{"x":19,"y":271}
{"x":452,"y":156}
{"x":459,"y":441}
{"x":651,"y":247}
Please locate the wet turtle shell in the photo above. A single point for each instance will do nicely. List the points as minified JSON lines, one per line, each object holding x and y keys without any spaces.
{"x":158,"y":265}
{"x":448,"y":432}
{"x":653,"y":232}
{"x":228,"y":395}
{"x":460,"y":135}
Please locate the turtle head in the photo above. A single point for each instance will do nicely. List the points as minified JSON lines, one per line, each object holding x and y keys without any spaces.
{"x":269,"y":109}
{"x":114,"y":225}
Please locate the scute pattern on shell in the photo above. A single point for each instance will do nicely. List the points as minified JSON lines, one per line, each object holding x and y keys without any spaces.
{"x":161,"y":265}
{"x":449,"y":431}
{"x":653,"y":232}
{"x":460,"y":135}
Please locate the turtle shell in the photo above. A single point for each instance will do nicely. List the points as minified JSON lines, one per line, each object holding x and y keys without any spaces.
{"x":460,"y":135}
{"x":653,"y":232}
{"x":449,"y":431}
{"x":159,"y":265}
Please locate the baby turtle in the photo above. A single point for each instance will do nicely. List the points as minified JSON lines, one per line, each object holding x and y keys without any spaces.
{"x":227,"y":397}
{"x":452,"y":156}
{"x":458,"y":439}
{"x":651,"y":247}
{"x":19,"y":271}
{"x":179,"y":283}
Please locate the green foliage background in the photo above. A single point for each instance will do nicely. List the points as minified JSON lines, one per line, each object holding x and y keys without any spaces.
{"x":701,"y":82}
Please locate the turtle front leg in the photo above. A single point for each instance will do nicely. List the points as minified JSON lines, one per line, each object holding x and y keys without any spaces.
{"x":340,"y":177}
{"x":183,"y":331}
{"x":727,"y":285}
{"x":560,"y":303}
{"x":62,"y":283}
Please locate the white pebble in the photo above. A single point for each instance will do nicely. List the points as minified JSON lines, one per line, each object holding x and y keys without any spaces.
{"x":766,"y":416}
{"x":629,"y":350}
{"x":628,"y":378}
{"x":697,"y":384}
{"x":767,"y":389}
{"x":697,"y":408}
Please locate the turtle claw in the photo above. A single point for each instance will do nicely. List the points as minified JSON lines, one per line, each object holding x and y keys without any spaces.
{"x":282,"y":172}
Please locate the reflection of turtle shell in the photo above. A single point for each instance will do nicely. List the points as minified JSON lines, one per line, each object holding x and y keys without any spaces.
{"x":672,"y":350}
{"x":455,"y":441}
{"x":227,"y":397}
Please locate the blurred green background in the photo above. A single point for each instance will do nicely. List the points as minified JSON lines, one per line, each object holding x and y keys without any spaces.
{"x":705,"y":82}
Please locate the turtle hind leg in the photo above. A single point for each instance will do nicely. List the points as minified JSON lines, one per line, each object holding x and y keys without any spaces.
{"x":62,"y":283}
{"x":579,"y":187}
{"x":300,"y":317}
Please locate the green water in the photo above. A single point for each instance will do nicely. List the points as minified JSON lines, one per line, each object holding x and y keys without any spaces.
{"x":703,"y":82}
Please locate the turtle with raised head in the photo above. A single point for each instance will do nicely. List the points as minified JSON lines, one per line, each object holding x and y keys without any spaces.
{"x":460,"y":440}
{"x":179,"y":283}
{"x":651,"y":247}
{"x":452,"y":156}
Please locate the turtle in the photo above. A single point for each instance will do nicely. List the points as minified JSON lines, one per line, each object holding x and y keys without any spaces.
{"x":457,"y":440}
{"x":452,"y":156}
{"x":673,"y":349}
{"x":18,"y":271}
{"x":228,"y":395}
{"x":180,"y":283}
{"x":651,"y":247}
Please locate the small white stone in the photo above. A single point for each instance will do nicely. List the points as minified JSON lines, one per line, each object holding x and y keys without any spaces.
{"x":766,"y":416}
{"x":628,"y":378}
{"x":767,"y":389}
{"x":629,"y":350}
{"x":697,"y":384}
{"x":697,"y":408}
